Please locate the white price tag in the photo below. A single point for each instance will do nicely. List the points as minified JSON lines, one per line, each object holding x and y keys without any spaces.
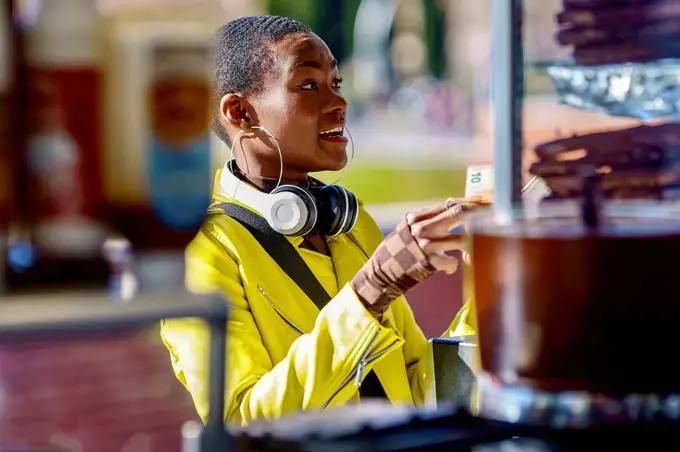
{"x":535,"y":190}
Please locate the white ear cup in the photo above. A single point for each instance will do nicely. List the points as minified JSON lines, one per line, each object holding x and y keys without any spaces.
{"x":287,"y":213}
{"x":293,"y":210}
{"x":289,"y":210}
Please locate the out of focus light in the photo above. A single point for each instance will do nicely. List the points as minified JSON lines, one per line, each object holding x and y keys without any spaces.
{"x":191,"y":434}
{"x":408,"y":53}
{"x":21,"y":256}
{"x":372,"y":28}
{"x":123,"y":283}
{"x":3,"y":399}
{"x":410,"y":16}
{"x":66,"y":442}
{"x":406,"y":102}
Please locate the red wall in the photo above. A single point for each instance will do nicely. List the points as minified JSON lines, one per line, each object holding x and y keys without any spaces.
{"x":104,"y":394}
{"x":436,"y":301}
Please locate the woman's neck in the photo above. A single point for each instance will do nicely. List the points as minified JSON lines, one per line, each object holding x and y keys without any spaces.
{"x":268,"y":184}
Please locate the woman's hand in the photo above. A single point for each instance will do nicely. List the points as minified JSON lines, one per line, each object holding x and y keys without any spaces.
{"x":416,"y":249}
{"x":431,"y":229}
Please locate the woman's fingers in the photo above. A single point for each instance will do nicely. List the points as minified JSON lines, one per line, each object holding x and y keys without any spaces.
{"x":444,"y":263}
{"x":439,"y":225}
{"x":431,"y":227}
{"x":440,"y":245}
{"x":432,"y":211}
{"x":436,"y":250}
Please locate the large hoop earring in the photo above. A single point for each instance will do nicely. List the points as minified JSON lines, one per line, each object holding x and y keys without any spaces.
{"x":276,"y":143}
{"x":278,"y":148}
{"x":351,"y":159}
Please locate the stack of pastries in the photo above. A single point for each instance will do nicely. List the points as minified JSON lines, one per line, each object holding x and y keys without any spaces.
{"x":634,"y":163}
{"x":618,"y":31}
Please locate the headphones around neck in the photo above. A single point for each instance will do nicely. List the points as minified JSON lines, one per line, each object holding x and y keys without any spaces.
{"x":294,"y":211}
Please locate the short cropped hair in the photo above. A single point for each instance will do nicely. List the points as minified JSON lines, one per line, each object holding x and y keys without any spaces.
{"x":242,"y":55}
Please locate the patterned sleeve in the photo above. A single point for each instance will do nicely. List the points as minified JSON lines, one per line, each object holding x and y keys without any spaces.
{"x":397,"y":266}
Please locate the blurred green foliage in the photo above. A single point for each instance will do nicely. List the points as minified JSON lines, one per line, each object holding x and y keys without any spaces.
{"x":333,"y":21}
{"x":303,"y":10}
{"x":378,"y":183}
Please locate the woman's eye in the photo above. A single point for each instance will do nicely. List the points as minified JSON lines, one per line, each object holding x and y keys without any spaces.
{"x":309,"y":85}
{"x":338,"y":83}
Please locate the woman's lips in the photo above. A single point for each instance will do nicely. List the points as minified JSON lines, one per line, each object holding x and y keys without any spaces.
{"x":334,"y":138}
{"x":334,"y":135}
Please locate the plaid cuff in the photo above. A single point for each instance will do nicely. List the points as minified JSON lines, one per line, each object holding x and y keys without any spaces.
{"x":397,"y":266}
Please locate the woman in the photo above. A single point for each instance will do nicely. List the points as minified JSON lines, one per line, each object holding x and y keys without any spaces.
{"x":278,"y":90}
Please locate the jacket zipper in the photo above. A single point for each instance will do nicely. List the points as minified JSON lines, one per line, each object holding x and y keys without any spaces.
{"x":357,"y":373}
{"x":266,"y":297}
{"x":356,"y":242}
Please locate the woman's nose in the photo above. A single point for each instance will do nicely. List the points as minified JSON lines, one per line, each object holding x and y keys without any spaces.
{"x":336,"y":103}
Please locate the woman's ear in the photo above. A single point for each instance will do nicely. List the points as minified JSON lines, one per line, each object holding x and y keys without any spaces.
{"x":234,"y":110}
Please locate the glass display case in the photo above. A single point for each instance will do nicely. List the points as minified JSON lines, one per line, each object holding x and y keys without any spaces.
{"x":605,"y":185}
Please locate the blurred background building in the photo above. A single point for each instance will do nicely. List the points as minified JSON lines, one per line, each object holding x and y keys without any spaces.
{"x":417,"y":75}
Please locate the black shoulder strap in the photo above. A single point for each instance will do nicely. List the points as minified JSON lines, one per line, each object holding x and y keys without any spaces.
{"x":281,"y":250}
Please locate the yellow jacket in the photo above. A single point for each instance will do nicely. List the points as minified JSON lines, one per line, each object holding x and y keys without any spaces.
{"x":283,"y":353}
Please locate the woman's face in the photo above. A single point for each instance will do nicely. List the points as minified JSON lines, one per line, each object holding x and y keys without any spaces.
{"x":299,"y":105}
